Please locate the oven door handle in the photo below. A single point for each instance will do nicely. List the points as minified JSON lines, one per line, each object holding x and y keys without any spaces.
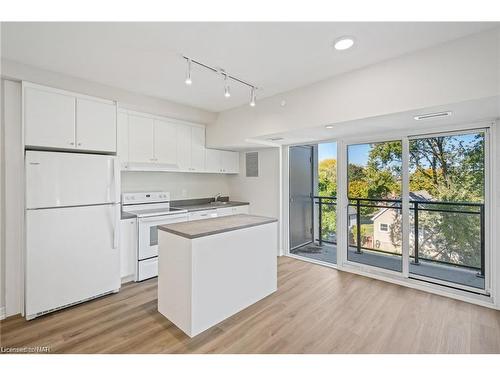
{"x":162,"y":219}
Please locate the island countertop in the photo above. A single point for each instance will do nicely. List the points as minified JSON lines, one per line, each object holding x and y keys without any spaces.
{"x":208,"y":227}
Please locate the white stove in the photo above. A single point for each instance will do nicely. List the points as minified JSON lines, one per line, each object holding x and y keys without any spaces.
{"x":152,"y":209}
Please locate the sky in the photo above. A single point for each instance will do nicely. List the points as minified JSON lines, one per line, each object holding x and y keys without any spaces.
{"x":358,"y":154}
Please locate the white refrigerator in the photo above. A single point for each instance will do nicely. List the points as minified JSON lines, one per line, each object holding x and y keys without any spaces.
{"x":72,"y":224}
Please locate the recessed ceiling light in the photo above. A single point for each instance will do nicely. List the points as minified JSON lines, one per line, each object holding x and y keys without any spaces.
{"x":429,"y":116}
{"x":329,"y":126}
{"x":275,"y":139}
{"x":344,"y":43}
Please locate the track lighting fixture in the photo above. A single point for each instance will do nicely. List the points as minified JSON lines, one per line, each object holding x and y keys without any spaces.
{"x":252,"y":97}
{"x":227,"y":77}
{"x":188,"y":80}
{"x":227,"y":90}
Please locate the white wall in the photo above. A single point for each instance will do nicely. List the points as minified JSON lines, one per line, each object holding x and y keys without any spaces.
{"x":126,"y":99}
{"x":13,"y":198}
{"x":461,"y":70}
{"x":180,"y":185}
{"x":263,"y":192}
{"x":495,"y":245}
{"x":2,"y":205}
{"x":13,"y":193}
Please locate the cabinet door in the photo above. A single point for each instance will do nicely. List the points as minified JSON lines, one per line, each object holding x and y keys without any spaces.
{"x":230,"y":162}
{"x":213,"y":161}
{"x":226,"y":211}
{"x":128,"y":247}
{"x":240,"y":210}
{"x":140,"y":131}
{"x":184,"y":147}
{"x":95,"y":125}
{"x":197,"y":148}
{"x":49,"y":119}
{"x":200,"y":215}
{"x":122,"y":130}
{"x":165,"y":142}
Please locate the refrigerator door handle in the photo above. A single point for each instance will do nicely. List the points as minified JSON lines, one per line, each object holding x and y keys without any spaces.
{"x":111,"y":181}
{"x":116,"y":229}
{"x":115,"y":181}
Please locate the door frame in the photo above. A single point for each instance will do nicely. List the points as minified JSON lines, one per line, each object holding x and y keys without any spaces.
{"x":311,"y":149}
{"x":491,"y":217}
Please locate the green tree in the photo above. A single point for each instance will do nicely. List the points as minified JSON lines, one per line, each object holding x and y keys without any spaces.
{"x":327,"y":187}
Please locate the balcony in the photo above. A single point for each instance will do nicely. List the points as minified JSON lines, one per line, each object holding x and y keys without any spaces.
{"x":375,"y":238}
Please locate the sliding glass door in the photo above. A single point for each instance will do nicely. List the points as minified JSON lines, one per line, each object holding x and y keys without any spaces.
{"x":443,"y":215}
{"x":447,"y":214}
{"x":374,"y":207}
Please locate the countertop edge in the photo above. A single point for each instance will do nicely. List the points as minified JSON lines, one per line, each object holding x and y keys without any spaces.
{"x":267,"y":220}
{"x":210,"y":207}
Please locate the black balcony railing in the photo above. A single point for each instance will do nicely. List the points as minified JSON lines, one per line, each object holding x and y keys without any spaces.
{"x":417,"y":207}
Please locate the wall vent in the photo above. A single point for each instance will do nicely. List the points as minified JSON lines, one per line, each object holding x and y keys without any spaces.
{"x":428,"y":116}
{"x":252,"y":164}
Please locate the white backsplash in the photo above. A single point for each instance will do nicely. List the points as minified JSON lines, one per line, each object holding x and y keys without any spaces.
{"x":180,"y":185}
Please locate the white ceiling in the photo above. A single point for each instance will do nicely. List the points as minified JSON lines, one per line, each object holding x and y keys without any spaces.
{"x":466,"y":113}
{"x":146,"y":57}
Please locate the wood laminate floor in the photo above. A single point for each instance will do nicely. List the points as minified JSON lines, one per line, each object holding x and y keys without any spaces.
{"x":315,"y":310}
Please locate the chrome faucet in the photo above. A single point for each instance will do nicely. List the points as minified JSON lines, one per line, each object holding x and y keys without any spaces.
{"x":217,"y":196}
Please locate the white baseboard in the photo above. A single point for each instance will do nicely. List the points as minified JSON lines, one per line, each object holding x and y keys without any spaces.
{"x":2,"y":313}
{"x":127,"y":279}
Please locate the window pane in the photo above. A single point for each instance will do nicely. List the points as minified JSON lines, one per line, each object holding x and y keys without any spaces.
{"x":447,"y":208}
{"x":374,"y":212}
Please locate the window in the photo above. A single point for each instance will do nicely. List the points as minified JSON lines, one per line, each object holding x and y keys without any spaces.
{"x":384,"y":227}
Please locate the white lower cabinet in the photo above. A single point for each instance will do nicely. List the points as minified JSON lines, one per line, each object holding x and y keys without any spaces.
{"x":226,"y":211}
{"x":128,"y":248}
{"x":199,"y":215}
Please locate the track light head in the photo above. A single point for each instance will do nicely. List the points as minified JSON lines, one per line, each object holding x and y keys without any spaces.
{"x":252,"y":97}
{"x":227,"y":90}
{"x":188,"y":80}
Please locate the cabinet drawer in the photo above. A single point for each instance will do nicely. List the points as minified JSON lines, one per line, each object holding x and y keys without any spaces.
{"x":200,"y":215}
{"x":147,"y":269}
{"x":240,"y":210}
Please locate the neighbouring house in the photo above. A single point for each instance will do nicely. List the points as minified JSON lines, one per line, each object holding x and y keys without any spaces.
{"x":387,"y":218}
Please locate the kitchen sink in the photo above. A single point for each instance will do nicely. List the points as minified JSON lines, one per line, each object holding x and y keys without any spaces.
{"x":219,"y":203}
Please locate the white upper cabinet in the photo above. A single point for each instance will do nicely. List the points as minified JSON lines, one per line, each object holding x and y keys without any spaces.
{"x":218,"y":161}
{"x":122,"y":135}
{"x":230,"y":162}
{"x":140,"y":132}
{"x":65,"y":120}
{"x":149,"y":142}
{"x":197,"y":148}
{"x":95,"y":125}
{"x":165,"y":142}
{"x":49,"y":118}
{"x":184,"y":147}
{"x":213,"y":160}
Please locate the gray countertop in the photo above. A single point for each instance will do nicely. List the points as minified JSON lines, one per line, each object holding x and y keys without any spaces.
{"x":127,"y":215}
{"x":207,"y":206}
{"x":208,"y":227}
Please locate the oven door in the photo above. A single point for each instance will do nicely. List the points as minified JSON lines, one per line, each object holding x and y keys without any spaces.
{"x":148,"y":233}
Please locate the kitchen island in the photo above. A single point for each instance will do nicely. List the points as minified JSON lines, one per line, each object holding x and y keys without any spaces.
{"x":210,"y":269}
